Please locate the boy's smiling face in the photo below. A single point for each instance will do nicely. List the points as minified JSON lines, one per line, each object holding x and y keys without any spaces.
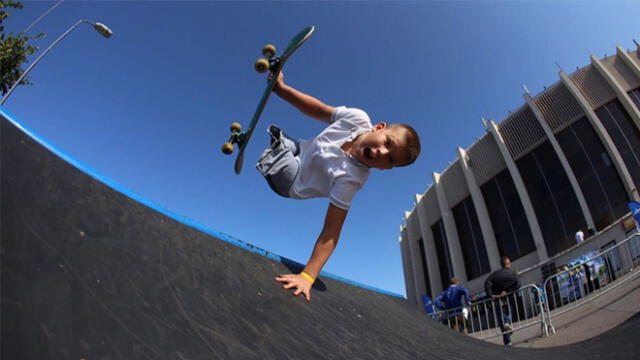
{"x":382,"y":148}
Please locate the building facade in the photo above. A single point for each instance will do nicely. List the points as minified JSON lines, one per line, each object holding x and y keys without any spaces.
{"x":567,"y":159}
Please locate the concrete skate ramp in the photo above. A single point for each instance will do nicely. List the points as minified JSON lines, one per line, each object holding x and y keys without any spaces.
{"x":90,"y":273}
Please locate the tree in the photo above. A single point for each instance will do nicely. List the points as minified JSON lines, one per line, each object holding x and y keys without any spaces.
{"x":14,"y":50}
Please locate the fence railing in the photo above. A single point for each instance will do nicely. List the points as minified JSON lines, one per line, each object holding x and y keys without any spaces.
{"x":585,"y":281}
{"x":562,"y":292}
{"x":490,"y":318}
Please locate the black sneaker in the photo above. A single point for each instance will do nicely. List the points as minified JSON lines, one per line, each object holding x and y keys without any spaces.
{"x":274,"y":131}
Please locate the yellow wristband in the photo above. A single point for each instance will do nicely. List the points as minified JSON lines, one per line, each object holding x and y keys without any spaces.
{"x":308,"y":277}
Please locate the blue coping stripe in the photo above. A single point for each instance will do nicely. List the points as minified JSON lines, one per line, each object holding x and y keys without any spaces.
{"x":150,"y":204}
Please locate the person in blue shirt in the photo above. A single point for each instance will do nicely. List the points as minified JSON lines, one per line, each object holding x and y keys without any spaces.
{"x":453,"y":299}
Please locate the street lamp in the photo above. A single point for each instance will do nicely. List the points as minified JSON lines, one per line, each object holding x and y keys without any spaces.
{"x":99,"y":27}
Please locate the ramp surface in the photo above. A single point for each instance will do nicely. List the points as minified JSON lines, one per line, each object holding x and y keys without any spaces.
{"x":91,"y":273}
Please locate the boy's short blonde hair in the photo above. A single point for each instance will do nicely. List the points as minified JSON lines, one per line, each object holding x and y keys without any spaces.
{"x":411,"y":141}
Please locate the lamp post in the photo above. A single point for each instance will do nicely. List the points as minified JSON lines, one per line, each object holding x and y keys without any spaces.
{"x":99,"y":27}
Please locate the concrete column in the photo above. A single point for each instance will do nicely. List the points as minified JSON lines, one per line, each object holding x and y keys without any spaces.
{"x":481,"y":210}
{"x":627,"y":60}
{"x":563,"y":160}
{"x":615,"y":85}
{"x":616,"y":158}
{"x":453,"y":240}
{"x":541,"y":248}
{"x":429,"y":248}
{"x":414,"y":250}
{"x":407,"y":265}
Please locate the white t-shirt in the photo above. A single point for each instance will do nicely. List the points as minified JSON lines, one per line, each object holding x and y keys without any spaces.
{"x":325,"y":169}
{"x":579,"y":237}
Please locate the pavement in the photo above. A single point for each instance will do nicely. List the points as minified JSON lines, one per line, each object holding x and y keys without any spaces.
{"x":91,"y":271}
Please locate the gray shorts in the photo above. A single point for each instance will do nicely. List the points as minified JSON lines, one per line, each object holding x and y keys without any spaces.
{"x":278,"y":163}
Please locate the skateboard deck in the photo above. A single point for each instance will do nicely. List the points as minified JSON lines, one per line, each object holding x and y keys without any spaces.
{"x":274,"y":65}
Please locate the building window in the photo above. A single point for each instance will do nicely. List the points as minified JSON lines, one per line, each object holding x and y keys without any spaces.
{"x":509,"y":221}
{"x":594,"y":170}
{"x":625,"y":136}
{"x":635,"y":96}
{"x":425,"y":270}
{"x":552,"y":197}
{"x":442,"y":249}
{"x":476,"y":262}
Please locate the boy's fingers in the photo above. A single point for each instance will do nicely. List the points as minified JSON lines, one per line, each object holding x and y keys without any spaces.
{"x":283,"y":277}
{"x":280,"y":76}
{"x":293,"y":281}
{"x":289,"y":286}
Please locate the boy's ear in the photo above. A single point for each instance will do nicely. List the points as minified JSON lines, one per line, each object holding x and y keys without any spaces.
{"x":379,"y":126}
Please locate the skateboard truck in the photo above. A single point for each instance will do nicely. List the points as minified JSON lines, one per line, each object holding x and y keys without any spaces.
{"x":262,"y":65}
{"x":267,"y":62}
{"x":237,"y":137}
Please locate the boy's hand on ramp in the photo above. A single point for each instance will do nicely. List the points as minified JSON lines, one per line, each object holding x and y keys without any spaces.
{"x":299,"y":282}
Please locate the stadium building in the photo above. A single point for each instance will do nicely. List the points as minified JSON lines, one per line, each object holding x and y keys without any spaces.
{"x":567,"y":159}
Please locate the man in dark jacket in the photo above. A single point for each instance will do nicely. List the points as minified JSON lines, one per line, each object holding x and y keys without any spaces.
{"x":499,"y":286}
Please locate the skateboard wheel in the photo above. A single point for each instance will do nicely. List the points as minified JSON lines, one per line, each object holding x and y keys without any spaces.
{"x":269,"y":51}
{"x":236,"y":128}
{"x":262,"y":65}
{"x":227,"y":148}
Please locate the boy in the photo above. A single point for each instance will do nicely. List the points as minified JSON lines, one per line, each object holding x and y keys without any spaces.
{"x":453,"y":299}
{"x":334,"y":164}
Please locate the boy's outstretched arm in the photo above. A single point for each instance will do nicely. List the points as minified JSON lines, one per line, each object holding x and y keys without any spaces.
{"x":324,"y":247}
{"x":307,"y":104}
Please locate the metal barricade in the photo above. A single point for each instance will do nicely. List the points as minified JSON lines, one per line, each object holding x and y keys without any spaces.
{"x":582,"y":283}
{"x":488,"y":318}
{"x":564,"y":291}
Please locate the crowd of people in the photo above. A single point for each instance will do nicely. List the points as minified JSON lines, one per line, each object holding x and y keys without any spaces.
{"x":505,"y":300}
{"x":454,"y":302}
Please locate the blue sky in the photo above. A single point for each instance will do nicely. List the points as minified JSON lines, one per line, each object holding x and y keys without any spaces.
{"x":150,"y":107}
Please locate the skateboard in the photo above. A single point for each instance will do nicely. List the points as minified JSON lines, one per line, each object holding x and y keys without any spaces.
{"x":274,"y":65}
